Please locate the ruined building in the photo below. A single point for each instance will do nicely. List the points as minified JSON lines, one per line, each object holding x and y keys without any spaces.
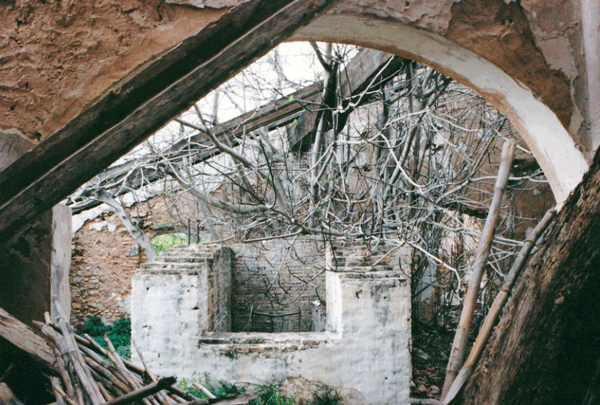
{"x":84,"y":82}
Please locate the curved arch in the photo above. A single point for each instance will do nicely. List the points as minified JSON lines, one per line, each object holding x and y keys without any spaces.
{"x":551,"y":144}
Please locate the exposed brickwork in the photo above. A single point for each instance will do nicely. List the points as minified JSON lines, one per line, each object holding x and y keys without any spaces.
{"x":277,"y":277}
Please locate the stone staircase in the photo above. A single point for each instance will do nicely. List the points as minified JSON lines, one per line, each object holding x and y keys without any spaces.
{"x":181,"y":258}
{"x":353,"y":256}
{"x":357,"y":257}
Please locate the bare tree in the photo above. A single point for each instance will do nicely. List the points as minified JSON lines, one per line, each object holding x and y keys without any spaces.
{"x":396,"y":153}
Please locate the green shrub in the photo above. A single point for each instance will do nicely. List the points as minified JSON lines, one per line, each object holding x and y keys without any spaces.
{"x":161,"y":243}
{"x":119,"y":334}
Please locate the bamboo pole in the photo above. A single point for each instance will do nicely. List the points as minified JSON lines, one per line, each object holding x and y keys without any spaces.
{"x":108,"y":375}
{"x":206,"y":392}
{"x":125,"y":376}
{"x":59,"y":394}
{"x":487,"y":235}
{"x":60,"y":361}
{"x":498,"y":305}
{"x":63,"y":360}
{"x":135,"y":384}
{"x":117,"y":372}
{"x":163,"y":398}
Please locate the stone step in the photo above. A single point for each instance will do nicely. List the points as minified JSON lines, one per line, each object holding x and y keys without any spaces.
{"x":195,"y":248}
{"x":184,"y":260}
{"x":178,"y":255}
{"x":170,"y":266}
{"x":365,"y":269}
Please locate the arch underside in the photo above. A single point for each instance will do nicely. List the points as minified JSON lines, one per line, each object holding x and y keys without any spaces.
{"x":549,"y":141}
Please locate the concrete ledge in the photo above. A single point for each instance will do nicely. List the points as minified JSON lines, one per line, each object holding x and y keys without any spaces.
{"x":269,"y":339}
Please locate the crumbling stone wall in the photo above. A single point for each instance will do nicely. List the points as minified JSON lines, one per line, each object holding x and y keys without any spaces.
{"x":105,"y":257}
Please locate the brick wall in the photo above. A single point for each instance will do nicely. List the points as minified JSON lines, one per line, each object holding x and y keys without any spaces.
{"x":281,"y":276}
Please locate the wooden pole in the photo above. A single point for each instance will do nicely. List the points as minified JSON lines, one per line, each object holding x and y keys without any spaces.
{"x":7,"y":397}
{"x":74,"y":354}
{"x":144,"y":392}
{"x":498,"y":305}
{"x":205,"y":390}
{"x":487,"y":235}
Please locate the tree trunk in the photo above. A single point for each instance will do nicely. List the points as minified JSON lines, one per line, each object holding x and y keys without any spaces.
{"x":546,"y":347}
{"x":136,"y":233}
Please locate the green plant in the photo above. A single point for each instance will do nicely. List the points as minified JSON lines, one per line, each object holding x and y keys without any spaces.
{"x":95,"y":327}
{"x":224,"y":391}
{"x":161,"y":243}
{"x":326,"y":395}
{"x":186,"y":385}
{"x":228,"y":389}
{"x":270,"y":395}
{"x":119,"y":333}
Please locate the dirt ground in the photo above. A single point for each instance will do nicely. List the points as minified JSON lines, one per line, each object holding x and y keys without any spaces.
{"x":430,"y":351}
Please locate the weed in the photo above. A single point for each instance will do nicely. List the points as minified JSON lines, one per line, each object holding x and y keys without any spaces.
{"x":270,"y":395}
{"x":326,"y":395}
{"x":224,"y":391}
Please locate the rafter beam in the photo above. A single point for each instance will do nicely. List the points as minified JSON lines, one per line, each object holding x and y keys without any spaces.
{"x":144,"y":103}
{"x":358,"y":75}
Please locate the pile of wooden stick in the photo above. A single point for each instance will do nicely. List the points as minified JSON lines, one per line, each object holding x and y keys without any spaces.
{"x":92,"y":375}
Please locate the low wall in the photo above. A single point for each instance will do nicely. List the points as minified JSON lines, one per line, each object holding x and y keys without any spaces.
{"x":178,"y":296}
{"x":364,"y":353}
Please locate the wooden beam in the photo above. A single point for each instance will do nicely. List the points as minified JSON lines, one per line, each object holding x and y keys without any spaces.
{"x":357,"y":76}
{"x":24,"y":338}
{"x":143,"y":104}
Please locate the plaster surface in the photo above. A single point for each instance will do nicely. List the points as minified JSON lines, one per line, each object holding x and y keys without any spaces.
{"x":364,"y":353}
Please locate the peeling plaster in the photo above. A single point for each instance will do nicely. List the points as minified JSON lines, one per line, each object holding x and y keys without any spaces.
{"x":551,"y":22}
{"x":206,"y":3}
{"x":558,"y":53}
{"x":431,"y":15}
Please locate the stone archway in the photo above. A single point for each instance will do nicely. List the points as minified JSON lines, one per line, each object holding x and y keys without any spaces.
{"x":551,"y":144}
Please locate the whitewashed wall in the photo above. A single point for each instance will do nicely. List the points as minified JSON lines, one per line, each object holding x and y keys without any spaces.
{"x":365,"y":354}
